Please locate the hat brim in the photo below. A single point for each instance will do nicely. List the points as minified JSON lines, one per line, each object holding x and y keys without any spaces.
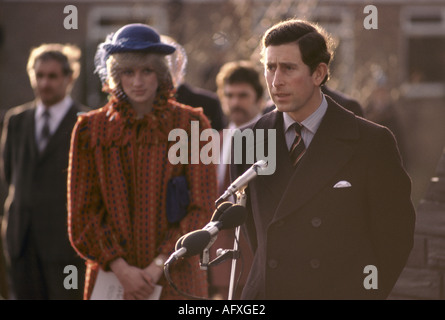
{"x":148,"y":48}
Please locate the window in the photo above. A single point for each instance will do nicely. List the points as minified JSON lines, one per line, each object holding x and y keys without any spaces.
{"x":424,"y":51}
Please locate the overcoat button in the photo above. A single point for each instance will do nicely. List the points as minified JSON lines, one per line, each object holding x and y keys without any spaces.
{"x":273,"y":264}
{"x":315,"y":263}
{"x":316,"y":222}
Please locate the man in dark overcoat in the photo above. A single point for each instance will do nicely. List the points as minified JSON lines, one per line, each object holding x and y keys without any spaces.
{"x":335,"y":220}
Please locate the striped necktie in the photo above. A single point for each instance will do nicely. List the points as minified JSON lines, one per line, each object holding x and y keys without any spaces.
{"x":45,"y":133}
{"x":297,"y":149}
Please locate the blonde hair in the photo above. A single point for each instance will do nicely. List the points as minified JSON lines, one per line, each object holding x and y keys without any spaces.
{"x":118,"y":62}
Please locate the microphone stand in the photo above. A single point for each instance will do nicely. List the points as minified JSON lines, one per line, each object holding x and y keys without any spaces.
{"x":241,"y":200}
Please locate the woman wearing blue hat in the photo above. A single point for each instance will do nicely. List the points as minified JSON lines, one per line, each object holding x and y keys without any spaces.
{"x":119,"y":172}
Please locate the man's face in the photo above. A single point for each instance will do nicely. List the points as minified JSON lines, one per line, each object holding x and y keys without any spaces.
{"x":291,"y":85}
{"x":51,"y":84}
{"x":240,"y":102}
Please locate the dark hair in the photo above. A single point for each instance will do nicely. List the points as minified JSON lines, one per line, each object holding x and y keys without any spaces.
{"x":59,"y":57}
{"x":240,"y":72}
{"x":314,"y":43}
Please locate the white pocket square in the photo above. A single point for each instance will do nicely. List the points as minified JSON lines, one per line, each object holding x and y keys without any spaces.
{"x":342,"y":184}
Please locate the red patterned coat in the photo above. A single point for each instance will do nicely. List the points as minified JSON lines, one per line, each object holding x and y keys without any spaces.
{"x":117,"y":183}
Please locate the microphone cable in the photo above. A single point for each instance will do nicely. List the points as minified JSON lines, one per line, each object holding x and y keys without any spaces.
{"x":170,"y":281}
{"x":195,"y":242}
{"x":230,"y":216}
{"x":189,"y":296}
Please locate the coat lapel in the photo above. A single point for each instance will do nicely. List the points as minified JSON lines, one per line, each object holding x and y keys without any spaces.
{"x":31,"y":134}
{"x":330,"y":149}
{"x":274,"y":183}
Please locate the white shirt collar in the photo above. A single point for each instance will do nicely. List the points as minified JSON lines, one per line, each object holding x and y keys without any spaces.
{"x":57,"y":113}
{"x":312,"y":122}
{"x":55,"y":110}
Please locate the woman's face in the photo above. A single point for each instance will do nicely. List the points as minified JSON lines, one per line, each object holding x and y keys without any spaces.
{"x":139,"y":84}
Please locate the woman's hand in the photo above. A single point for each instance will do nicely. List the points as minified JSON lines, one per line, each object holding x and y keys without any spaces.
{"x":138,"y":284}
{"x":155,"y":271}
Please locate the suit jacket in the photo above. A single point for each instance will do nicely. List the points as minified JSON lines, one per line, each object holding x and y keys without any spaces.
{"x":207,"y":100}
{"x":37,"y":197}
{"x":313,"y":241}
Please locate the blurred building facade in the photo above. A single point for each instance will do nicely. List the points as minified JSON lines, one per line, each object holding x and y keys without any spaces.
{"x":404,"y":56}
{"x":424,"y":274}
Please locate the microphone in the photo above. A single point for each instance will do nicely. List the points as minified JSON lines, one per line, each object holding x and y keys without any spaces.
{"x":189,"y":245}
{"x":242,"y":181}
{"x":234,"y":217}
{"x":220,"y":210}
{"x":226,"y":216}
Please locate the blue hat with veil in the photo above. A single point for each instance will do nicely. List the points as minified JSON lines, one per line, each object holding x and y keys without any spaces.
{"x":134,"y":37}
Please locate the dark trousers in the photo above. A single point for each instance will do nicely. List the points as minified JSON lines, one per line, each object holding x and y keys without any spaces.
{"x":3,"y":275}
{"x":34,"y":278}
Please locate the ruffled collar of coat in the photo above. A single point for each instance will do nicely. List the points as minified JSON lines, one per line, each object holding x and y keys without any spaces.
{"x":123,"y":123}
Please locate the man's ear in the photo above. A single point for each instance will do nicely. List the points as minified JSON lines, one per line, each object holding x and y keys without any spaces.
{"x":320,"y":73}
{"x":70,"y":82}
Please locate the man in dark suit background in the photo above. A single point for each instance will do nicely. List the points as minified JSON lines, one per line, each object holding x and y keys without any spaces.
{"x":35,"y":148}
{"x":207,"y":100}
{"x":189,"y":95}
{"x":241,"y":92}
{"x":335,"y":220}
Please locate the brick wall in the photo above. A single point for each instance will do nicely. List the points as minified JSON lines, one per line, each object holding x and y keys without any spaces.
{"x":424,"y":274}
